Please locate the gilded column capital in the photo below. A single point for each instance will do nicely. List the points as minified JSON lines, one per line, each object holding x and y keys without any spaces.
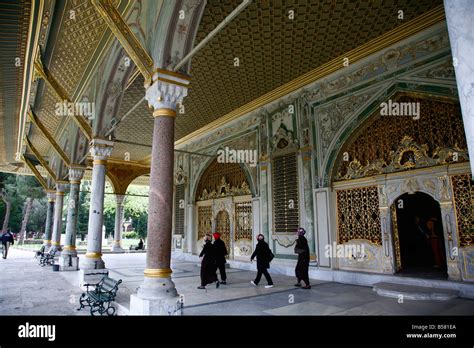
{"x":51,"y":196}
{"x":75,"y":175}
{"x":101,"y":149}
{"x":167,"y":90}
{"x":60,"y":188}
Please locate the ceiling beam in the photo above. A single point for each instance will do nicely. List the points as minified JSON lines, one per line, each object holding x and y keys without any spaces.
{"x":41,"y":70}
{"x":50,"y":139}
{"x":40,"y":159}
{"x":127,"y":39}
{"x":35,"y":172}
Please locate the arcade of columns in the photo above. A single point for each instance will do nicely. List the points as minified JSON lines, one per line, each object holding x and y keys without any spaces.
{"x":157,"y":293}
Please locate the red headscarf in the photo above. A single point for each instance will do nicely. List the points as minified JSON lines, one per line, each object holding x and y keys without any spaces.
{"x":217,"y":235}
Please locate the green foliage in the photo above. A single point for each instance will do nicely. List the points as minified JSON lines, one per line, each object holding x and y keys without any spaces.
{"x":19,"y":188}
{"x":130,"y":235}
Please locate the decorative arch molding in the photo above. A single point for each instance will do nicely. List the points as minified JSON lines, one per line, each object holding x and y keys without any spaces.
{"x":122,"y":175}
{"x":359,"y":117}
{"x":179,"y":33}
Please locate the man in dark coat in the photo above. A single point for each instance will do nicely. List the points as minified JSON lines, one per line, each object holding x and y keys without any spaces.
{"x":7,"y":239}
{"x":220,"y":252}
{"x":302,"y":267}
{"x":264,"y":256}
{"x":208,"y":264}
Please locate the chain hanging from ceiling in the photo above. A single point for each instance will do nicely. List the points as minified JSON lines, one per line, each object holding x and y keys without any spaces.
{"x":396,"y":143}
{"x":358,"y":215}
{"x":463,"y":190}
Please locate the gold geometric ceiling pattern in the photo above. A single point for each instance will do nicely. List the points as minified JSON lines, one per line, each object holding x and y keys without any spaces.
{"x":273,"y":49}
{"x":78,"y":38}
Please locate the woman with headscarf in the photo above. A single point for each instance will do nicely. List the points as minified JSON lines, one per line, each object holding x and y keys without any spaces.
{"x":302,"y":267}
{"x":220,"y":253}
{"x":264,"y":255}
{"x":208,"y":263}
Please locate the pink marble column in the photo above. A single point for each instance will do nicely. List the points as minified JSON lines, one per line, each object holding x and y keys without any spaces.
{"x":157,"y":294}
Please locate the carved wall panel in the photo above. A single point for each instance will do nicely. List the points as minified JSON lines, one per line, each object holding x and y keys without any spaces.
{"x":204,"y":221}
{"x":179,"y":209}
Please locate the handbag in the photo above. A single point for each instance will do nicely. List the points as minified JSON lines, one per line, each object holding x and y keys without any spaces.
{"x":270,"y":256}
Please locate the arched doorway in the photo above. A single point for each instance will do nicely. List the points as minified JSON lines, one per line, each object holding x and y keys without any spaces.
{"x":224,"y":204}
{"x":418,"y":236}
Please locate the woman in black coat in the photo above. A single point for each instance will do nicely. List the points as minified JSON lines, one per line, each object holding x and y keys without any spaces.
{"x":302,"y":267}
{"x":208,"y":264}
{"x":264,"y":256}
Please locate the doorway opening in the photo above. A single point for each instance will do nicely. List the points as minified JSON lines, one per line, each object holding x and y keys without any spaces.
{"x":418,"y":236}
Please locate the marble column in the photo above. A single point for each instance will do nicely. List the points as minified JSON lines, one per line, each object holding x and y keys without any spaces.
{"x":460,"y":28}
{"x":48,"y":228}
{"x":118,"y":223}
{"x":157,"y":294}
{"x":58,"y":217}
{"x":69,"y":260}
{"x":92,"y":266}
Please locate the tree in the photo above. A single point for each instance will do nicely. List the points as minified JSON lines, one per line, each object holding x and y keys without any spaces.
{"x":8,"y":206}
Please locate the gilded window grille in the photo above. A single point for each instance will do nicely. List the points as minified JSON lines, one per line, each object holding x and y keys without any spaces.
{"x":463,"y":189}
{"x":243,"y":220}
{"x":439,"y":126}
{"x":223,"y":226}
{"x":358,"y":215}
{"x":285,"y":193}
{"x":204,"y":221}
{"x":178,"y":211}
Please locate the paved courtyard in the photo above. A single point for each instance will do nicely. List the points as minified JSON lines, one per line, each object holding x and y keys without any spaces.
{"x":28,"y":289}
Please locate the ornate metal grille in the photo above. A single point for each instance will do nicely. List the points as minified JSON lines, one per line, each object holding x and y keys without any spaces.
{"x":358,"y":215}
{"x":396,"y":239}
{"x":204,"y":221}
{"x":464,"y":204}
{"x":223,"y":226}
{"x":439,"y":126}
{"x":243,"y":220}
{"x":285,"y":193}
{"x":179,"y":211}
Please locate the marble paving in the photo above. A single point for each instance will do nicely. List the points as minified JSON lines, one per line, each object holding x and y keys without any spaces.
{"x":28,"y":289}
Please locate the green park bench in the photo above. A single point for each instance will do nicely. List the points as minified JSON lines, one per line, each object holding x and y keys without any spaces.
{"x":100,"y":297}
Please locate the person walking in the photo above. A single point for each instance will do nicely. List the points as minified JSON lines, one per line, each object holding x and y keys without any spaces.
{"x":220,"y":253}
{"x":302,"y":267}
{"x":7,"y":239}
{"x":264,"y":256}
{"x":208,"y":264}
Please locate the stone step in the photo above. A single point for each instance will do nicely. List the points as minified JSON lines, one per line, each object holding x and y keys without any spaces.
{"x":411,"y":292}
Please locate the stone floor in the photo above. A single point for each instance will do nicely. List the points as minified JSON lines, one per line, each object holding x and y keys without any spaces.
{"x":28,"y":289}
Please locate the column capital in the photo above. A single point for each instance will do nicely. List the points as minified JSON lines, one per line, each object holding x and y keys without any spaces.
{"x":51,"y":196}
{"x":101,"y":149}
{"x":119,"y":198}
{"x":76,"y":174}
{"x":60,"y":188}
{"x":167,"y":90}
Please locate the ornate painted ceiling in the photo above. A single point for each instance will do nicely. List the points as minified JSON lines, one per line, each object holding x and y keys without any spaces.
{"x":271,"y":48}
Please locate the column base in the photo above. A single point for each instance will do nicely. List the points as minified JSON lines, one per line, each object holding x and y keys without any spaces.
{"x":169,"y":306}
{"x":92,"y":276}
{"x":68,"y":263}
{"x":156,"y":296}
{"x":117,"y":248}
{"x":55,"y":248}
